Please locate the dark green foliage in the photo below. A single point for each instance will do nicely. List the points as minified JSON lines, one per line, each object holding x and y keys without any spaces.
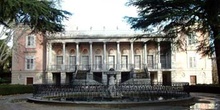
{"x":204,"y":88}
{"x":6,"y":89}
{"x":175,"y":16}
{"x":4,"y":81}
{"x":181,"y":16}
{"x":40,"y":15}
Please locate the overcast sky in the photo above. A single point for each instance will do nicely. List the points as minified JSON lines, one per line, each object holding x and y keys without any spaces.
{"x":97,"y":14}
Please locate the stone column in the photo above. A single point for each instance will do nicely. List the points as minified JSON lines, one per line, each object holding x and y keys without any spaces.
{"x":104,"y":55}
{"x":49,"y":78}
{"x":159,"y":76}
{"x":104,"y":75}
{"x":118,"y":56}
{"x":49,"y":52}
{"x":77,"y":53}
{"x":145,"y":54}
{"x":91,"y":56}
{"x":132,"y":54}
{"x":64,"y":56}
{"x":49,"y":63}
{"x":159,"y":64}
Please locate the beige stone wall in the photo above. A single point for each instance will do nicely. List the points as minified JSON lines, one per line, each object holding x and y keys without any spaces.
{"x":20,"y":77}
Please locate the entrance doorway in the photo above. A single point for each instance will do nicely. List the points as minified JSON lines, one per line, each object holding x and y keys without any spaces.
{"x":153,"y":78}
{"x":69,"y":78}
{"x":57,"y":78}
{"x":125,"y":76}
{"x":97,"y":76}
{"x":166,"y":78}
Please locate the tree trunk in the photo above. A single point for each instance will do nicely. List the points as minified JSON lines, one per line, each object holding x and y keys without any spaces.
{"x":1,"y":68}
{"x":217,"y":52}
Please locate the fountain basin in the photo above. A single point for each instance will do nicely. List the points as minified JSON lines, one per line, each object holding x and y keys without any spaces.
{"x":129,"y":94}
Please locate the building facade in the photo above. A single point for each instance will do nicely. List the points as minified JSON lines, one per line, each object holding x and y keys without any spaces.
{"x":88,"y":56}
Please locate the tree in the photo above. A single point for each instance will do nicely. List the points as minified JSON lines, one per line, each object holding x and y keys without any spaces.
{"x":28,"y":16}
{"x":181,"y":16}
{"x":39,"y":15}
{"x":5,"y":59}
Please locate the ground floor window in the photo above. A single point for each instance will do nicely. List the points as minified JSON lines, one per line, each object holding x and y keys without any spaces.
{"x":29,"y":63}
{"x":193,"y":80}
{"x":29,"y":80}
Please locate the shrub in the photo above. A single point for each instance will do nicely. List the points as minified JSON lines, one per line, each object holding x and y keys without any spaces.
{"x":8,"y":89}
{"x":4,"y":81}
{"x":206,"y":88}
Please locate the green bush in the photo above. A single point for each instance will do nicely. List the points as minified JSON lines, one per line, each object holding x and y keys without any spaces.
{"x":206,"y":88}
{"x":8,"y":89}
{"x":4,"y":81}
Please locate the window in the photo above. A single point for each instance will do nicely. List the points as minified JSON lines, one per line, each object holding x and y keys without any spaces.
{"x":150,"y":61}
{"x":29,"y":63}
{"x":85,"y":62}
{"x":59,"y":60}
{"x":137,"y":61}
{"x":163,"y":61}
{"x":30,"y":41}
{"x":111,"y":61}
{"x":29,"y":80}
{"x":124,"y":62}
{"x":72,"y":63}
{"x":98,"y":62}
{"x":192,"y":39}
{"x":59,"y":63}
{"x":192,"y":62}
{"x":193,"y":80}
{"x":72,"y":60}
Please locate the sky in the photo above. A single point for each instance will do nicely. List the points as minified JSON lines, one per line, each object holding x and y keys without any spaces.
{"x":97,"y":14}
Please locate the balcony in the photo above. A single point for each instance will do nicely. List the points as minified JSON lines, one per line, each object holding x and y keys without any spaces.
{"x":59,"y":68}
{"x":101,"y":67}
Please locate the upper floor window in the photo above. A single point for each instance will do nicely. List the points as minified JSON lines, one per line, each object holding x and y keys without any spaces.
{"x":192,"y":62}
{"x":30,"y":41}
{"x":192,"y":39}
{"x":29,"y":63}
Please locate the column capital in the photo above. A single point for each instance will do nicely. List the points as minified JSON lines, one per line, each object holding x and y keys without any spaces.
{"x":90,"y":42}
{"x":158,"y":40}
{"x":104,"y":42}
{"x":118,"y":42}
{"x":145,"y":41}
{"x":64,"y":43}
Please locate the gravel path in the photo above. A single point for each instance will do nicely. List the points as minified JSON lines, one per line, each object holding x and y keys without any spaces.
{"x":18,"y":102}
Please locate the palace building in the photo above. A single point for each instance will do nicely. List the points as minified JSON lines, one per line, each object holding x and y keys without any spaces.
{"x":88,"y":57}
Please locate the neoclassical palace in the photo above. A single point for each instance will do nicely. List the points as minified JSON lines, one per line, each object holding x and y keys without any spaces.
{"x":89,"y":56}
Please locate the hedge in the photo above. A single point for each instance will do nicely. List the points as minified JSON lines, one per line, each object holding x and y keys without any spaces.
{"x":203,"y":88}
{"x":8,"y":89}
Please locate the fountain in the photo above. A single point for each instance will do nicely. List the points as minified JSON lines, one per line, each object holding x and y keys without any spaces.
{"x":112,"y":93}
